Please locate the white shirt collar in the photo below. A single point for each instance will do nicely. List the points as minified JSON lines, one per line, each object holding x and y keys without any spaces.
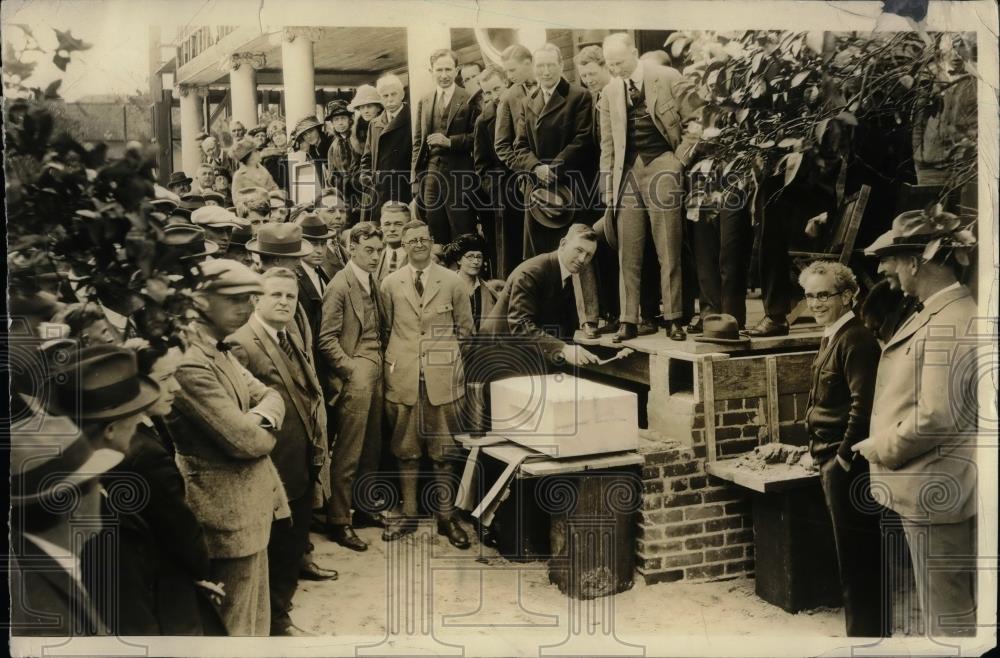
{"x":831,"y":331}
{"x":61,"y":556}
{"x":954,"y":286}
{"x":313,"y":276}
{"x":362,"y":276}
{"x":636,"y":75}
{"x":272,"y":332}
{"x":446,"y":93}
{"x":389,"y":116}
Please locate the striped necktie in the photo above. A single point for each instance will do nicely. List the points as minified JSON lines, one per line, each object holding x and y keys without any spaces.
{"x":286,"y":345}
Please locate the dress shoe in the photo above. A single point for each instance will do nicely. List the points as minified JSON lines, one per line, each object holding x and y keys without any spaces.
{"x":626,"y":331}
{"x":676,"y":331}
{"x":589,"y":330}
{"x":399,"y":528}
{"x":368,"y":519}
{"x":695,"y":326}
{"x":346,"y":537}
{"x":647,"y":328}
{"x":451,"y":529}
{"x":609,"y":328}
{"x":768,"y":327}
{"x":291,"y":631}
{"x":312,"y":571}
{"x":487,"y":537}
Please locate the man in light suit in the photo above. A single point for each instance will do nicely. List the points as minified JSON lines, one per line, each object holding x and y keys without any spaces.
{"x":385,"y":164}
{"x":441,"y":168}
{"x":223,"y":425}
{"x":351,"y":343}
{"x":921,"y":445}
{"x":274,"y":355}
{"x":394,"y":217}
{"x":645,"y":149}
{"x":426,"y":314}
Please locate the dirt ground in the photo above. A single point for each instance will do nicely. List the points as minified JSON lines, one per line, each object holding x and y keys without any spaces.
{"x":488,"y":605}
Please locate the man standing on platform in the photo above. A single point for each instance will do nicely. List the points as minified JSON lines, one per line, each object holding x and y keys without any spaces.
{"x":277,"y":359}
{"x":427,"y":315}
{"x":385,"y":164}
{"x":395,"y":216}
{"x":351,"y":343}
{"x":840,"y":402}
{"x":495,"y":183}
{"x":441,"y":168}
{"x":921,"y":446}
{"x":645,"y":149}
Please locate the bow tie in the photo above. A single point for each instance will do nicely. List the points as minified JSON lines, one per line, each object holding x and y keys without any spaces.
{"x":223,"y":346}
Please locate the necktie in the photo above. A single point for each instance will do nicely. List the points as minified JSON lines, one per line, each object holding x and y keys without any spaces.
{"x":378,"y":315}
{"x":418,"y":284}
{"x":392,"y":259}
{"x":633,"y":93}
{"x":286,"y":345}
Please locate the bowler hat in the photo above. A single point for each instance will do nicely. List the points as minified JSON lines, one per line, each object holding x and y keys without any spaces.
{"x":179,"y":178}
{"x":280,"y":240}
{"x":365,"y":95}
{"x":313,"y":228}
{"x":48,"y":453}
{"x":103,"y":383}
{"x":224,"y":276}
{"x":305,"y":125}
{"x":337,"y":108}
{"x":721,"y":328}
{"x":551,"y":206}
{"x":243,"y":148}
{"x":189,"y":241}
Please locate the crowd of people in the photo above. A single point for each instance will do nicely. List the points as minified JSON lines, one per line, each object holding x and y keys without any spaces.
{"x":341,"y":342}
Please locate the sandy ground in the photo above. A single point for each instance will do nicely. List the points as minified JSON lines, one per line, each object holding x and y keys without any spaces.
{"x":440,"y":596}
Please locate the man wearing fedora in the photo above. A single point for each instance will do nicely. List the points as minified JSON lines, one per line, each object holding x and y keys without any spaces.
{"x":179,"y":183}
{"x":238,"y":240}
{"x":351,"y":345}
{"x":441,"y":168}
{"x":276,"y":358}
{"x":426,"y":314}
{"x":313,"y":279}
{"x":223,"y":424}
{"x":555,"y":146}
{"x":385,"y":163}
{"x":645,"y":149}
{"x":837,"y":417}
{"x":924,"y":415}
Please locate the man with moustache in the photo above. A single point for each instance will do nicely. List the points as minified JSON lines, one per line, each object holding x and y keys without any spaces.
{"x":441,"y":168}
{"x":495,"y":184}
{"x":351,"y":343}
{"x":385,"y":164}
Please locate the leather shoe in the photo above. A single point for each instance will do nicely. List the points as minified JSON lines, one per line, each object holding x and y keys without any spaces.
{"x":609,"y":328}
{"x":399,"y":528}
{"x":589,"y":331}
{"x":346,"y":537}
{"x":451,"y":529}
{"x":312,"y":571}
{"x":695,"y":326}
{"x":626,"y":331}
{"x":368,"y":519}
{"x":647,"y":328}
{"x":768,"y":327}
{"x":291,"y":631}
{"x":676,"y":331}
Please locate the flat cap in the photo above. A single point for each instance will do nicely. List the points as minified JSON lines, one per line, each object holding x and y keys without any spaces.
{"x":229,"y":277}
{"x":215,"y":216}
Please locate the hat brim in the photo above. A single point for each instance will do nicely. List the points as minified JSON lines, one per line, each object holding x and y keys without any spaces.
{"x":149,"y":393}
{"x":211,"y":247}
{"x":742,"y":340}
{"x":254,"y":247}
{"x":565,"y":214}
{"x":325,"y":236}
{"x":99,"y":463}
{"x":889,"y":250}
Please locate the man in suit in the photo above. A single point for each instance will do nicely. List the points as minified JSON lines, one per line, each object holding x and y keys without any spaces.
{"x":837,"y":416}
{"x":312,"y":278}
{"x":544,"y":293}
{"x":351,"y":344}
{"x":385,"y":164}
{"x":394,"y":217}
{"x":645,"y":149}
{"x":924,"y":416}
{"x":496,"y":186}
{"x":441,"y":168}
{"x":554,"y":145}
{"x":223,"y":424}
{"x":332,"y":210}
{"x":427,"y":315}
{"x":276,"y":358}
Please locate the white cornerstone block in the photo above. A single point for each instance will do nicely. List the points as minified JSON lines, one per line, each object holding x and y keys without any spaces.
{"x":564,"y":416}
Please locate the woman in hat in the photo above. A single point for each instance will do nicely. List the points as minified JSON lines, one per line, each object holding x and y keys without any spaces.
{"x":342,"y":159}
{"x":368,"y":104}
{"x":274,"y":153}
{"x":467,"y":253}
{"x":306,"y":140}
{"x":250,"y":173}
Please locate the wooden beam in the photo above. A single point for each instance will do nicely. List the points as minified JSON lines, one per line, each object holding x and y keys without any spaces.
{"x":773,"y":423}
{"x":708,"y":405}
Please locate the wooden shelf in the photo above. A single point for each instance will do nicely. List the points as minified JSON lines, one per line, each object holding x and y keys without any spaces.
{"x":775,"y":477}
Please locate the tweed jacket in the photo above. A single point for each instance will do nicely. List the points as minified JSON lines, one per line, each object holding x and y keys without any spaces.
{"x":302,"y":436}
{"x":425,"y":335}
{"x":924,"y":414}
{"x":223,"y":452}
{"x":342,"y":324}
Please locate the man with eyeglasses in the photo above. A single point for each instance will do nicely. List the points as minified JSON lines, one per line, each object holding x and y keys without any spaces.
{"x":837,"y":417}
{"x":427,"y":315}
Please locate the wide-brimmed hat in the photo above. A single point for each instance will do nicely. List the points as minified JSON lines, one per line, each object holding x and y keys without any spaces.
{"x":188,"y":241}
{"x":721,"y":328}
{"x":240,"y":236}
{"x":337,"y":108}
{"x":164,"y":205}
{"x":49,"y":453}
{"x":103,"y":383}
{"x":314,"y":228}
{"x":365,"y":95}
{"x":224,"y":276}
{"x":257,"y":130}
{"x":280,"y":240}
{"x":242,"y":148}
{"x":551,"y":206}
{"x":920,"y":231}
{"x":304,"y":125}
{"x":179,"y":178}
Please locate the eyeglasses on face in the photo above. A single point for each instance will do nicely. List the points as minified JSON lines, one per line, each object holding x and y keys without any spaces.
{"x":415,"y":242}
{"x":822,"y":296}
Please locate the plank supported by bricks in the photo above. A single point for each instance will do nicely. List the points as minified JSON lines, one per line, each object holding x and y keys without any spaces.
{"x":773,"y":423}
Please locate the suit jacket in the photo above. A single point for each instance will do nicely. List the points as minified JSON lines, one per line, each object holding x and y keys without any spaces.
{"x":425,"y":335}
{"x":335,"y":257}
{"x":342,"y":325}
{"x":310,"y":299}
{"x":489,"y":167}
{"x":303,"y":433}
{"x":45,"y":600}
{"x":386,"y":160}
{"x":382,"y":270}
{"x":460,"y":124}
{"x":223,"y":452}
{"x":672,"y":112}
{"x":510,"y":115}
{"x":924,"y":414}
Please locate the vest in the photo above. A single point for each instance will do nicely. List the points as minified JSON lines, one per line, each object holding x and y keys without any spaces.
{"x":643,"y":138}
{"x":368,"y":342}
{"x":439,"y":124}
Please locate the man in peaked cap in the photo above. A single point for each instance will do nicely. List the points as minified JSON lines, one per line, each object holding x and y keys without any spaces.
{"x":924,"y":415}
{"x":223,"y":424}
{"x":218,"y":224}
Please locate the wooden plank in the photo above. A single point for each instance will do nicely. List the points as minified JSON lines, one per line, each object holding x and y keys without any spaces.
{"x":544,"y":467}
{"x":776,"y":477}
{"x":854,"y":223}
{"x":773,"y":421}
{"x":746,"y":377}
{"x":708,"y":403}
